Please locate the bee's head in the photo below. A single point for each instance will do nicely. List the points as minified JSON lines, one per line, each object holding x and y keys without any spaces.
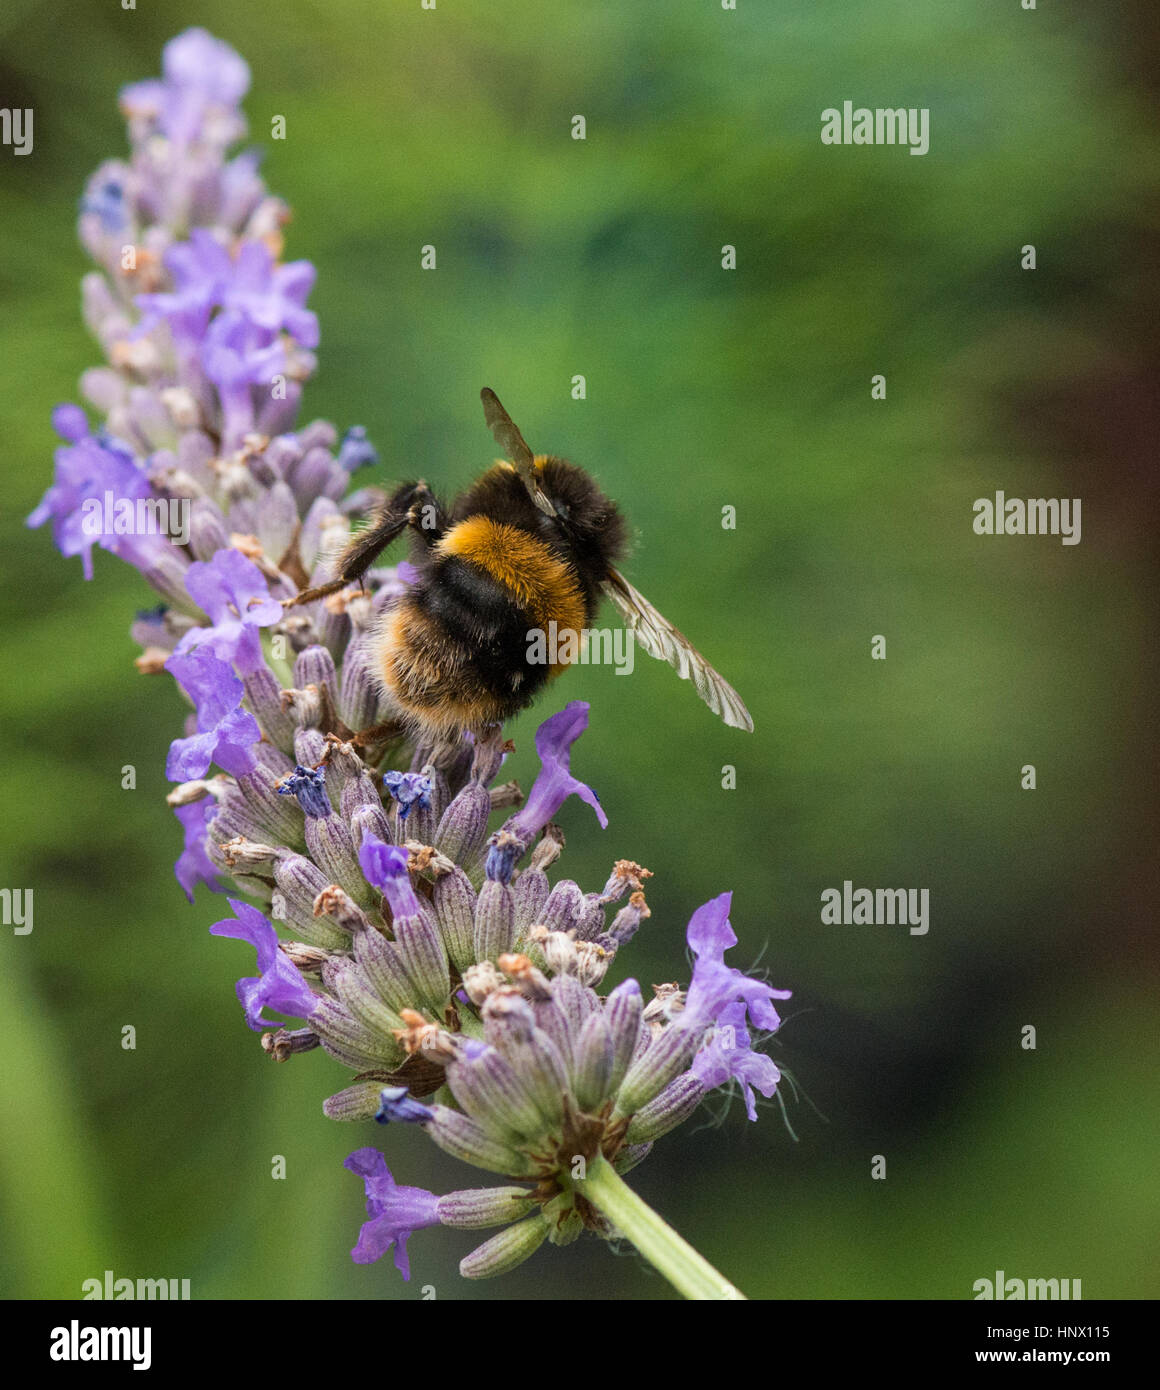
{"x":589,"y":520}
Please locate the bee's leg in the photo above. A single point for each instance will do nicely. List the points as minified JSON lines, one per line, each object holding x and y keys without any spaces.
{"x":386,"y":732}
{"x":425,"y":516}
{"x":411,"y":505}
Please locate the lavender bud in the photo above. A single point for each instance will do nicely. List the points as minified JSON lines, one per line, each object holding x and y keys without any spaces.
{"x":358,"y":1102}
{"x":454,"y":901}
{"x":299,"y":885}
{"x":511,"y":1247}
{"x":590,"y":918}
{"x":420,"y":948}
{"x":594,"y":1060}
{"x":562,"y":908}
{"x":622,"y":1012}
{"x":358,"y":698}
{"x":277,"y":518}
{"x":489,"y":1091}
{"x":315,"y":666}
{"x":314,"y":476}
{"x":279,"y":818}
{"x":575,"y":1002}
{"x":666,"y":1111}
{"x":310,"y":749}
{"x":264,"y":696}
{"x":551,"y":1020}
{"x":342,"y":976}
{"x":383,"y":968}
{"x":351,"y":1041}
{"x":461,"y":1137}
{"x":632,"y":1154}
{"x":628,"y":919}
{"x":463,"y":827}
{"x":509,"y":1026}
{"x":207,"y":532}
{"x":495,"y":920}
{"x":483,"y":1206}
{"x":665,"y":1057}
{"x":369,"y":819}
{"x":332,"y":849}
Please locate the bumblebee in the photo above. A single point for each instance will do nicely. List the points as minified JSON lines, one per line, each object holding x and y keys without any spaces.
{"x":533,"y":542}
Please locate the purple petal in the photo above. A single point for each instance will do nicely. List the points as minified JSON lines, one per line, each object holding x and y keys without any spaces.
{"x":194,"y":865}
{"x":709,"y":932}
{"x":728,"y":1056}
{"x":395,"y":1212}
{"x":226,"y":733}
{"x":555,"y":783}
{"x":385,"y":868}
{"x":715,"y":985}
{"x":279,"y":985}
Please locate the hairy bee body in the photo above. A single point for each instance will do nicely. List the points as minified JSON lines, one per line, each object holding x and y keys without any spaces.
{"x":453,"y":653}
{"x":530,"y":548}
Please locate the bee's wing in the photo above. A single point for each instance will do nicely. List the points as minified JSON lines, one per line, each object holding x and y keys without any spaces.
{"x":661,"y":639}
{"x":506,"y":434}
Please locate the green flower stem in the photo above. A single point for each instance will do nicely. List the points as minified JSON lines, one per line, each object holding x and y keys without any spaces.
{"x":689,"y":1273}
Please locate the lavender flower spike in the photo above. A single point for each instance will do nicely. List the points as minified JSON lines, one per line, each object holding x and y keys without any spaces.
{"x":461,"y":996}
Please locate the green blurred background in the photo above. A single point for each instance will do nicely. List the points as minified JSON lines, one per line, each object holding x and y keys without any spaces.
{"x":705,"y":388}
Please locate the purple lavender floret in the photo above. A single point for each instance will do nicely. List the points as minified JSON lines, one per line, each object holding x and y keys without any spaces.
{"x":308,"y":785}
{"x":555,"y":783}
{"x":278,"y":985}
{"x":194,"y":865}
{"x":235,"y":595}
{"x":728,"y":1056}
{"x":715,"y":985}
{"x":226,"y":733}
{"x":395,"y":1212}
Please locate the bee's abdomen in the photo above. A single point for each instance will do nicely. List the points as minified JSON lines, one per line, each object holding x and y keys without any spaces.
{"x":456,"y":648}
